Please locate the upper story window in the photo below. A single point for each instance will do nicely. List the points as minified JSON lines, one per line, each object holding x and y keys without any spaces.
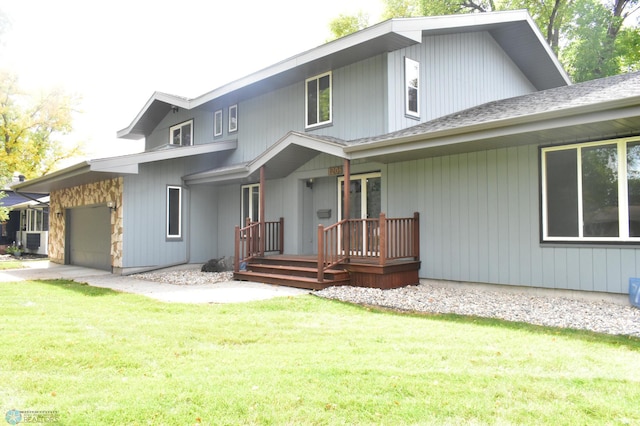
{"x":217,"y":123}
{"x":233,"y":118}
{"x":591,"y":192}
{"x":181,"y":134}
{"x":318,"y":100}
{"x":412,"y":81}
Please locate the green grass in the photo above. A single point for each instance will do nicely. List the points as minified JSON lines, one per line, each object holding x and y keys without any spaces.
{"x":100,"y":357}
{"x":11,"y":264}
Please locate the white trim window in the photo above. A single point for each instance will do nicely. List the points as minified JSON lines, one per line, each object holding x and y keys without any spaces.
{"x":591,"y":191}
{"x":318,"y":100}
{"x":174,"y":212}
{"x":35,"y":220}
{"x":233,"y":118}
{"x":217,"y":123}
{"x":181,"y":134}
{"x":250,"y":203}
{"x":412,"y":85}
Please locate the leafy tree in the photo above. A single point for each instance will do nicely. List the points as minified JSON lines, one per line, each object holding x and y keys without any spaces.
{"x":346,"y":24}
{"x":31,"y":128}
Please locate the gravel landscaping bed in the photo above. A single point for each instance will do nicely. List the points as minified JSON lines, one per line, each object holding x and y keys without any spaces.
{"x":595,"y":315}
{"x":186,"y":277}
{"x":599,"y":316}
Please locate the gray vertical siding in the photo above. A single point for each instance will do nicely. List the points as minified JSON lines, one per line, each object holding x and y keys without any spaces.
{"x":457,"y":71}
{"x":144,"y":218}
{"x":480,"y":223}
{"x":203,"y":223}
{"x":202,"y":127}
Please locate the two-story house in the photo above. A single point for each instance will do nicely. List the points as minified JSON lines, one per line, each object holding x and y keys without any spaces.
{"x":467,"y":154}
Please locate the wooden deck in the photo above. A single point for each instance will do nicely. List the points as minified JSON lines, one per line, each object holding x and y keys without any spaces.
{"x":301,"y":272}
{"x":382,"y":253}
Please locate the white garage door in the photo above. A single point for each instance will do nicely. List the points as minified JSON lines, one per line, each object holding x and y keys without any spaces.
{"x":89,"y":237}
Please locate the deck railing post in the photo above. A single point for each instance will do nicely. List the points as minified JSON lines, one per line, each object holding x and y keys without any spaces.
{"x":320,"y":253}
{"x":416,"y":235}
{"x":236,"y":252}
{"x":382,"y":241}
{"x":281,"y":237}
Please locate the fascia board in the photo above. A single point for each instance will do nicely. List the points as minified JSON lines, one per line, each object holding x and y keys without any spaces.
{"x":297,"y":139}
{"x":239,"y":171}
{"x":69,"y":172}
{"x":628,"y":107}
{"x":156,"y":97}
{"x":413,"y":35}
{"x":129,"y":163}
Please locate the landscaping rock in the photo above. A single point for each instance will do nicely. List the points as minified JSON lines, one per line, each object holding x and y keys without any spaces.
{"x":224,"y":264}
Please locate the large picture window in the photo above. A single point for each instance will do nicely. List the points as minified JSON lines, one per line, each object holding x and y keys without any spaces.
{"x":174,"y":212}
{"x":591,"y":191}
{"x":412,"y":80}
{"x":318,"y":100}
{"x":181,"y":134}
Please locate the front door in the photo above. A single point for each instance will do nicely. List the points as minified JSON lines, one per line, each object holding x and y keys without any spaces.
{"x":365,"y":196}
{"x":364,"y":203}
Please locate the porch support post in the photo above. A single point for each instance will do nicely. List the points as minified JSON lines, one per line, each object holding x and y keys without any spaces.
{"x":347,"y":188}
{"x":346,"y":214}
{"x":416,"y":236}
{"x":262,"y":231}
{"x":382,"y":239}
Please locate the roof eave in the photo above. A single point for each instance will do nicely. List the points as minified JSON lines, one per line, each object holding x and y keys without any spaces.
{"x":494,"y":128}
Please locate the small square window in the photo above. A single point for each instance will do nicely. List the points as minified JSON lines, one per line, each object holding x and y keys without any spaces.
{"x":181,"y":134}
{"x":233,"y":118}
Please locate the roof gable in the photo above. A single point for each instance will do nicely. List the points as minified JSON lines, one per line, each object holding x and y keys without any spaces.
{"x":514,"y":31}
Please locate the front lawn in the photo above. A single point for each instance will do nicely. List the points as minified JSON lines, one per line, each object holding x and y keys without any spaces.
{"x":10,"y":264}
{"x":94,"y":356}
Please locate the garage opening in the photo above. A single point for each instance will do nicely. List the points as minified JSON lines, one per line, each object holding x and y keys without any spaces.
{"x":88,"y":237}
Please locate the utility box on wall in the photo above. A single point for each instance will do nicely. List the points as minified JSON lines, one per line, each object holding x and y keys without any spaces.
{"x":634,"y":292}
{"x":324,"y":214}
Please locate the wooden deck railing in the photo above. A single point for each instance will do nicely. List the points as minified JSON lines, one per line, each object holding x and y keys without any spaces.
{"x":381,"y":239}
{"x":252,"y":240}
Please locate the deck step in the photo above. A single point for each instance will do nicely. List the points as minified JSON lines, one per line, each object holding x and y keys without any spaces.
{"x":289,"y":280}
{"x":300,"y":271}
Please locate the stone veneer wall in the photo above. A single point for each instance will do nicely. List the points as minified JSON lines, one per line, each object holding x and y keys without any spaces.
{"x":91,"y":194}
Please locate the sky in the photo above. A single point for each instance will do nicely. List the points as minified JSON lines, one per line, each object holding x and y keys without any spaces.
{"x":116,"y":54}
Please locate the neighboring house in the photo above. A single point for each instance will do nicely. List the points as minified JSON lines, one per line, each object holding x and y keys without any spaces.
{"x":517,"y":176}
{"x":28,"y":224}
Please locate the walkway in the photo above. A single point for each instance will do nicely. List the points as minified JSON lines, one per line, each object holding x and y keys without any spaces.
{"x":225,"y":292}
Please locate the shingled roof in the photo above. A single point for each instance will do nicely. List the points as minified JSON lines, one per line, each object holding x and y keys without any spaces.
{"x":590,"y":93}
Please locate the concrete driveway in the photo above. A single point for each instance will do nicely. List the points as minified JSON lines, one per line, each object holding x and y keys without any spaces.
{"x":223,"y":292}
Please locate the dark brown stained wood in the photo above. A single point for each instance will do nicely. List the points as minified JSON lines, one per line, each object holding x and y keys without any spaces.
{"x":301,"y":272}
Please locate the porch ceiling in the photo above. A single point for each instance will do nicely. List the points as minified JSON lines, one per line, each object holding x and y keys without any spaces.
{"x":287,"y":161}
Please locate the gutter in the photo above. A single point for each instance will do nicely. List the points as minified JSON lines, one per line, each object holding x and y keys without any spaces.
{"x":498,"y":124}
